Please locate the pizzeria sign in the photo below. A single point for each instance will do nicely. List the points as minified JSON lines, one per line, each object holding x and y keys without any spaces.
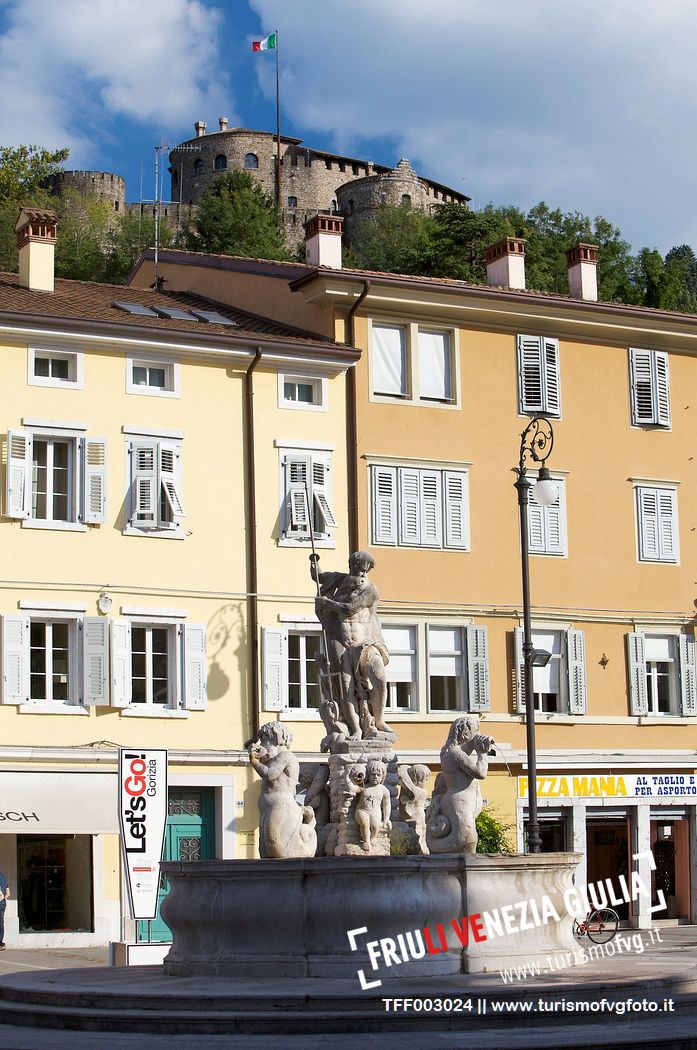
{"x":633,"y":785}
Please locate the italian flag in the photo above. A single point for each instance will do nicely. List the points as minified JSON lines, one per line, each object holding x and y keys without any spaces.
{"x":267,"y":44}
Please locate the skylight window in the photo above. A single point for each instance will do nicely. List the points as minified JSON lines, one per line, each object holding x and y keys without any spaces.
{"x":174,"y":313}
{"x":211,"y":317}
{"x":135,"y":308}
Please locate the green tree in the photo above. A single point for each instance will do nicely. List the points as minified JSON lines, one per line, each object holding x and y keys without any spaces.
{"x":126,"y":240}
{"x":25,"y":169}
{"x":492,"y":834}
{"x":396,"y":239}
{"x":84,"y":222}
{"x":235,"y":217}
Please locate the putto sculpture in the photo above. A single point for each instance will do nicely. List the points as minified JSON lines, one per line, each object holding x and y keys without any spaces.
{"x":457,"y":798}
{"x":286,"y":829}
{"x":413,"y":798}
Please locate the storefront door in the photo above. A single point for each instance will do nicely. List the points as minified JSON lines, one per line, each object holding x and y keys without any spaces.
{"x":189,"y":836}
{"x":608,"y":856}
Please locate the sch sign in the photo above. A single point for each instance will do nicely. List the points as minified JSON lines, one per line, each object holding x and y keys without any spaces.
{"x":142,"y":820}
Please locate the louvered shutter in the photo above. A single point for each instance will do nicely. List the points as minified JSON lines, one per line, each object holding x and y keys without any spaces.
{"x":384,"y":485}
{"x":297,"y":491}
{"x":456,"y":511}
{"x":169,"y":469}
{"x":519,"y":670}
{"x":94,"y":480}
{"x":662,"y":389}
{"x":121,"y":670}
{"x":409,"y":507}
{"x":144,"y":499}
{"x":530,"y":378}
{"x":667,"y":524}
{"x":688,"y":675}
{"x":431,"y":508}
{"x":95,"y":661}
{"x":389,"y":361}
{"x":576,"y":668}
{"x":320,"y":494}
{"x":18,"y":475}
{"x":643,"y":408}
{"x":195,"y":662}
{"x":478,"y":668}
{"x":649,"y":533}
{"x":552,"y":386}
{"x":555,"y":524}
{"x":15,"y":659}
{"x":275,"y":668}
{"x":536,"y":525}
{"x":638,"y":699}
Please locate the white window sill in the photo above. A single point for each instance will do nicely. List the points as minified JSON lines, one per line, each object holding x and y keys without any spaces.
{"x":662,"y":720}
{"x":160,"y":534}
{"x":296,"y":714}
{"x":302,"y":406}
{"x":60,"y":384}
{"x":53,"y":526}
{"x":414,"y":402}
{"x":420,"y":547}
{"x":657,"y":561}
{"x":152,"y":391}
{"x":145,"y":711}
{"x":39,"y":707}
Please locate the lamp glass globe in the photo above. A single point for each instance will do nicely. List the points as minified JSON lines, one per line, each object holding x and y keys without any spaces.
{"x":545,"y":492}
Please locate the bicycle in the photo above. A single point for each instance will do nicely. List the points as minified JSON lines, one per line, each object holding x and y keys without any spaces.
{"x":600,"y":925}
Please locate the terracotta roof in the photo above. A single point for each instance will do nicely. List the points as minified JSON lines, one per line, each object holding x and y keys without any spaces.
{"x":86,"y":301}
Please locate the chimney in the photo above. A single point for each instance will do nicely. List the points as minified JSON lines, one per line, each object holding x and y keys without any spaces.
{"x":582,"y":264}
{"x":222,"y":121}
{"x":36,"y":244}
{"x":505,"y":263}
{"x":200,"y":128}
{"x":323,"y":240}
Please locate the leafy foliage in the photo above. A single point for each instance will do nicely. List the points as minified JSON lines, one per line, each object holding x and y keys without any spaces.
{"x":24,"y":169}
{"x":493,"y":834}
{"x":235,"y":217}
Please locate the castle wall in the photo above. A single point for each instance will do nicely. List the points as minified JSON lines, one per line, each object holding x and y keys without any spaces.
{"x":102,"y":184}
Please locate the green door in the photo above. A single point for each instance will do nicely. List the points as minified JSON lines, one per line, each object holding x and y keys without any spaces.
{"x":189,"y":836}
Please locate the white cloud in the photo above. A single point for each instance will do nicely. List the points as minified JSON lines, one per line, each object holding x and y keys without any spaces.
{"x":589,"y":106}
{"x":68,"y":68}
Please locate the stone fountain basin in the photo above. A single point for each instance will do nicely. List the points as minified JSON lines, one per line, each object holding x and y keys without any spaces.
{"x":290,"y":917}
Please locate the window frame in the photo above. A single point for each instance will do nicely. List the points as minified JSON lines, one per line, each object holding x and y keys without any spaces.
{"x":173,"y":527}
{"x":550,"y":402}
{"x":172,"y":371}
{"x":187,"y":667}
{"x":314,"y":454}
{"x":683,"y":684}
{"x":76,"y":367}
{"x":319,"y":384}
{"x":171,"y":629}
{"x":74,"y":698}
{"x":645,"y":490}
{"x":413,"y":654}
{"x":572,"y":699}
{"x":16,"y":653}
{"x":660,"y":414}
{"x":412,"y":393}
{"x":389,"y":520}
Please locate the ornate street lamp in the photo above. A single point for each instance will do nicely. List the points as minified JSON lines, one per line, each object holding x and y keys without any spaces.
{"x":536,"y":443}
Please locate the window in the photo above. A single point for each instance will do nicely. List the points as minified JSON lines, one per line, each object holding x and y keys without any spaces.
{"x":51,"y":654}
{"x":662,"y":678}
{"x":306,"y":478}
{"x":657,"y":521}
{"x":220,"y":162}
{"x":48,"y":870}
{"x":650,"y":388}
{"x":251,"y":160}
{"x":291,"y":674}
{"x":158,"y":665}
{"x":402,"y":691}
{"x":415,"y":507}
{"x":406,"y":200}
{"x":55,"y":480}
{"x":445,"y":668}
{"x":154,"y":499}
{"x":292,"y":202}
{"x":547,"y":525}
{"x":560,"y":686}
{"x":55,"y":368}
{"x":198,"y":166}
{"x":412,"y":363}
{"x":302,"y":392}
{"x":538,"y":375}
{"x":158,"y":378}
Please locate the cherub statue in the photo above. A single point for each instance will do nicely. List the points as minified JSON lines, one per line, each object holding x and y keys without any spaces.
{"x":372,"y":814}
{"x":457,"y":799}
{"x":412,"y":800}
{"x":285,"y":828}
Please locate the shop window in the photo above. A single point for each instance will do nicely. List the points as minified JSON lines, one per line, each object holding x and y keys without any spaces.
{"x":662,"y":675}
{"x":54,"y":883}
{"x":560,"y":686}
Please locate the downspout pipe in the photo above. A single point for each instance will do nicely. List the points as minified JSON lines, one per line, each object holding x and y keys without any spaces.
{"x":252,"y":575}
{"x":351,"y":426}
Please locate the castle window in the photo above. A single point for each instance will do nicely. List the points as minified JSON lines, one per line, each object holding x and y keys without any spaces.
{"x":342,"y":166}
{"x":292,"y":202}
{"x":251,"y":160}
{"x":220,"y":162}
{"x":116,"y":205}
{"x":328,"y":164}
{"x":198,"y":166}
{"x":349,"y":208}
{"x":406,"y":199}
{"x":335,"y":206}
{"x":354,"y":169}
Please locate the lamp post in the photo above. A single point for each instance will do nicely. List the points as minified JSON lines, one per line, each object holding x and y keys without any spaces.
{"x":536,"y":443}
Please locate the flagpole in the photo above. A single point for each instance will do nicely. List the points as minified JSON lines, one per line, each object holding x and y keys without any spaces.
{"x":278,"y":132}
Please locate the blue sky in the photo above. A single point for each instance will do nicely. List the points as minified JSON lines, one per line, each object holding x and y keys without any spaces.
{"x":587,"y":105}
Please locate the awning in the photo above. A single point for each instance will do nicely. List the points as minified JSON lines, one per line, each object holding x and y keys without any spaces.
{"x":41,"y":802}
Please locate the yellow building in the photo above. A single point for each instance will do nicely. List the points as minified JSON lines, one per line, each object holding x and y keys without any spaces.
{"x":133,"y":419}
{"x":449,"y":376}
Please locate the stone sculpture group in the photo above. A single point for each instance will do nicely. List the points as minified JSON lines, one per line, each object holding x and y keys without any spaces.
{"x":351,"y":803}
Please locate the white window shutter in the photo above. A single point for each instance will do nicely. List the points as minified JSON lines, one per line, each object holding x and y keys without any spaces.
{"x":662,"y":389}
{"x":638,"y":699}
{"x":15,"y":659}
{"x":169,"y":455}
{"x":298,"y":480}
{"x":552,"y":391}
{"x":643,"y":406}
{"x":519,"y":670}
{"x":431,"y":508}
{"x":576,"y":666}
{"x":409,"y":507}
{"x":18,"y":475}
{"x":94,"y":476}
{"x":649,"y":532}
{"x":195,"y":662}
{"x":536,"y":526}
{"x":478,"y":668}
{"x":384,"y":491}
{"x":144,"y":491}
{"x":95,"y":657}
{"x":530,"y":375}
{"x":320,"y":494}
{"x":688,"y":675}
{"x":555,"y":523}
{"x":667,"y":524}
{"x":456,"y":510}
{"x":389,"y":360}
{"x":275,"y":668}
{"x":121,"y":671}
